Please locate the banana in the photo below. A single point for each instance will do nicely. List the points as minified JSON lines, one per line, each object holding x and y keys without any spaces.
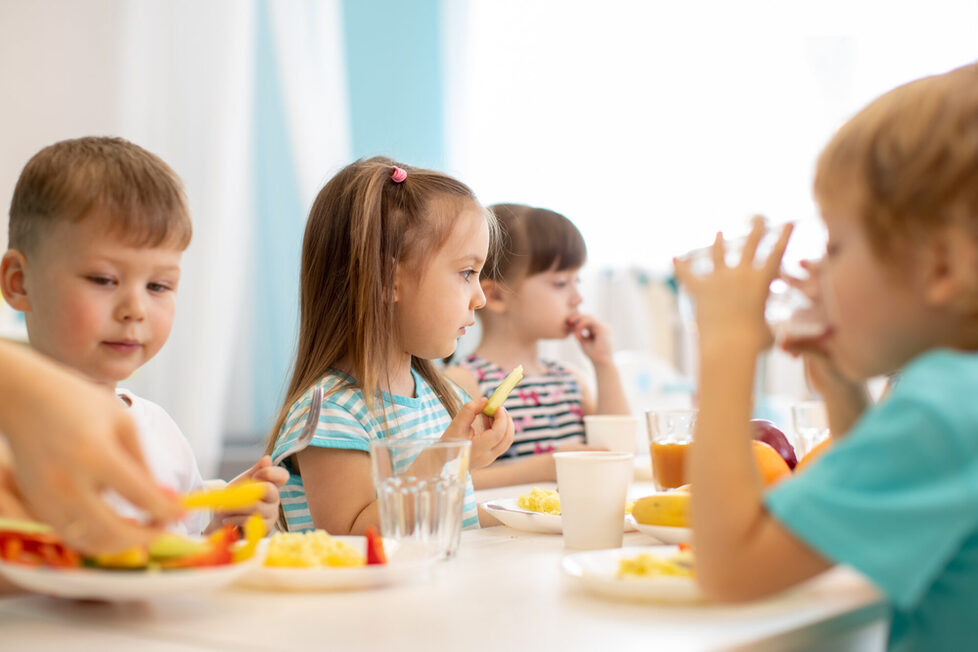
{"x":670,"y":509}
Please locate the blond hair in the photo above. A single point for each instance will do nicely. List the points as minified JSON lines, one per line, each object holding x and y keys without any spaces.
{"x":67,"y":180}
{"x":361,"y":226}
{"x":909,"y":160}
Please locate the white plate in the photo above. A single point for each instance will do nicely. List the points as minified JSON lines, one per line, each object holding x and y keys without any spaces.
{"x":510,"y":513}
{"x":402,"y":565}
{"x":663,"y":533}
{"x":99,"y":584}
{"x":597,"y":571}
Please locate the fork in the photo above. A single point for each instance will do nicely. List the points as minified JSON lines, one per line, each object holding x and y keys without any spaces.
{"x":308,"y":430}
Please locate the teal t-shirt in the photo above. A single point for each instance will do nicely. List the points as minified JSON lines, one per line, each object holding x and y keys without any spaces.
{"x":345,"y":422}
{"x":897,"y":499}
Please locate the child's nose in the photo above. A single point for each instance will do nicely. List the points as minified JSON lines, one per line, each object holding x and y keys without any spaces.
{"x":576,"y":298}
{"x":130,"y":308}
{"x":478,"y":297}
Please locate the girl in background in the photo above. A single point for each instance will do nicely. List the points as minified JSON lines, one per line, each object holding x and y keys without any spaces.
{"x":389,"y":281}
{"x":531,"y":288}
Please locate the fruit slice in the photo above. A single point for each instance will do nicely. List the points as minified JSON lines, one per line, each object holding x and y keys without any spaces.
{"x":502,"y":392}
{"x":234,"y":496}
{"x":254,"y":531}
{"x":770,"y":465}
{"x":669,"y":508}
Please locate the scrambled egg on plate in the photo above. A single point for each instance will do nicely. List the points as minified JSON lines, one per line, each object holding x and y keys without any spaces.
{"x":648,"y":565}
{"x":548,"y":502}
{"x":540,"y":500}
{"x":311,"y":549}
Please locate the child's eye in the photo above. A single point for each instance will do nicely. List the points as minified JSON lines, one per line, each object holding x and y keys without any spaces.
{"x":467,"y":274}
{"x":158,"y":287}
{"x":560,"y":284}
{"x":100,"y":280}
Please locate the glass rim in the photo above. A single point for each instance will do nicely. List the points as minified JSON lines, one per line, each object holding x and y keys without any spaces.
{"x":425,"y":442}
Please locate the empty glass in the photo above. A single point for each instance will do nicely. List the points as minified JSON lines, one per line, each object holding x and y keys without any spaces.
{"x":420,"y":487}
{"x":811,"y":425}
{"x":788,"y":311}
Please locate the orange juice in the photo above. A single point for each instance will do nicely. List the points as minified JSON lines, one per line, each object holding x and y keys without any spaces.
{"x":669,"y":464}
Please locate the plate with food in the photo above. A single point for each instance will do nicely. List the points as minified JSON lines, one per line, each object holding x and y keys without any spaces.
{"x":36,"y":559}
{"x":316,"y":561}
{"x":646,"y":573}
{"x":664,"y":516}
{"x":536,"y":511}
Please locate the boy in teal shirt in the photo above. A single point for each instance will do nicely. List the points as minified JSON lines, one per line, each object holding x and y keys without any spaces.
{"x":896,"y":496}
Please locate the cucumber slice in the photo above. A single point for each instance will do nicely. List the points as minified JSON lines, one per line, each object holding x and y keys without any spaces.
{"x":502,"y":392}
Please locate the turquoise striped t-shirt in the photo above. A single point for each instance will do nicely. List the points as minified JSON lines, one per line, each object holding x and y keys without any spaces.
{"x":345,"y":423}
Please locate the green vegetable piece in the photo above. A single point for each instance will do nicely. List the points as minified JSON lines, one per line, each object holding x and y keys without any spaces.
{"x":502,"y":392}
{"x":169,"y":546}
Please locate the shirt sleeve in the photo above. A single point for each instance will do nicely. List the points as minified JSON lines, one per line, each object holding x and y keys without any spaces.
{"x":895,"y":498}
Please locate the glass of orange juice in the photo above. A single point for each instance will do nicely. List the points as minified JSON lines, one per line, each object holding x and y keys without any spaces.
{"x":670,"y":435}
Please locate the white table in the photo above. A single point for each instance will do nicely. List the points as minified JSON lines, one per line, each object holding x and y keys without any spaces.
{"x":504,"y":590}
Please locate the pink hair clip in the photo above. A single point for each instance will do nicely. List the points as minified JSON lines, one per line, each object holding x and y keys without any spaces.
{"x":398,"y":175}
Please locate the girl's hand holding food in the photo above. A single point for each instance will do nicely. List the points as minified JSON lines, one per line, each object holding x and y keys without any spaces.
{"x":490,"y":436}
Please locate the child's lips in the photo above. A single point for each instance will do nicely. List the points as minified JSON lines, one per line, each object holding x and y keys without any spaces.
{"x":124,"y":346}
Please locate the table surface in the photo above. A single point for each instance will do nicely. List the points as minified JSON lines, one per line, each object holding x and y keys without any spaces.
{"x":504,"y":589}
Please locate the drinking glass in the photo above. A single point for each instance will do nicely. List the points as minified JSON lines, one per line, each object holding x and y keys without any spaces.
{"x":670,"y":435}
{"x":420,"y":487}
{"x":811,"y":424}
{"x":788,"y":311}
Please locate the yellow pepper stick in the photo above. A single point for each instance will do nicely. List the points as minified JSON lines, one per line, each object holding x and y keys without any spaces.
{"x":234,"y":496}
{"x":502,"y":392}
{"x":254,"y":531}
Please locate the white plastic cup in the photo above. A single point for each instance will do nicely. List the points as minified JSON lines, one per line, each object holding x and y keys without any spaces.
{"x":616,"y":432}
{"x":593,"y":487}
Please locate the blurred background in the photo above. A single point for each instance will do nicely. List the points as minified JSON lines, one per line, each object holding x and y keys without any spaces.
{"x":650,"y":124}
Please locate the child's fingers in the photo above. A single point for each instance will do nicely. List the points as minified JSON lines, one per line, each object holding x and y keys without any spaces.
{"x":461,"y":426}
{"x":719,"y":252}
{"x":757,"y":231}
{"x":274,"y":475}
{"x":681,"y":267}
{"x":134,"y":485}
{"x":773,"y":264}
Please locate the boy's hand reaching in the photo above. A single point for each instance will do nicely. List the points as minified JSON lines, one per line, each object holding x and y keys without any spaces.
{"x":594,"y":337}
{"x":490,"y":436}
{"x":274,"y":478}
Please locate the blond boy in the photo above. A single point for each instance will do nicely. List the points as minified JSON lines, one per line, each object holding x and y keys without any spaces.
{"x":97,"y":230}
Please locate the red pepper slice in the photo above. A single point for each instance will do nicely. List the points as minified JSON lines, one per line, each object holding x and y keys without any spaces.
{"x":375,"y":547}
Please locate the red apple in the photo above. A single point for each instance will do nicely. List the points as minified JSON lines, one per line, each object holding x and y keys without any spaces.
{"x":769,"y":433}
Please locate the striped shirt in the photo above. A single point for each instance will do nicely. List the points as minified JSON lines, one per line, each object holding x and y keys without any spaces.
{"x":345,"y":423}
{"x":546,"y":408}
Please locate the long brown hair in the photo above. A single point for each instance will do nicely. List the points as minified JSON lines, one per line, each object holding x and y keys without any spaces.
{"x":361,"y":226}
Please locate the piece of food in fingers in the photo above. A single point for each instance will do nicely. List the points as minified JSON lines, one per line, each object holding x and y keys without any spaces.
{"x":502,"y":392}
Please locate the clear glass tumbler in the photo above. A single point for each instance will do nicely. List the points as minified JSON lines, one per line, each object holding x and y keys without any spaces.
{"x":420,"y":487}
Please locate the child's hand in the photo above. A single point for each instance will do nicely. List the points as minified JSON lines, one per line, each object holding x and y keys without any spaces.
{"x":730,"y":300}
{"x":274,"y":478}
{"x":594,"y":337}
{"x":490,"y":437}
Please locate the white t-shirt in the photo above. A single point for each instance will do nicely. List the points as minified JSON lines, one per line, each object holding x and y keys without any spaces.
{"x":169,"y":456}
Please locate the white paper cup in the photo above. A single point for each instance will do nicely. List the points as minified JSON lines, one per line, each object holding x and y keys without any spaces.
{"x":593,"y":486}
{"x":616,"y":432}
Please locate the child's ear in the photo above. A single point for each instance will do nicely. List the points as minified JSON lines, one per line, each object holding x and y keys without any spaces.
{"x":495,"y":296}
{"x":952,"y":270}
{"x":13,"y":268}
